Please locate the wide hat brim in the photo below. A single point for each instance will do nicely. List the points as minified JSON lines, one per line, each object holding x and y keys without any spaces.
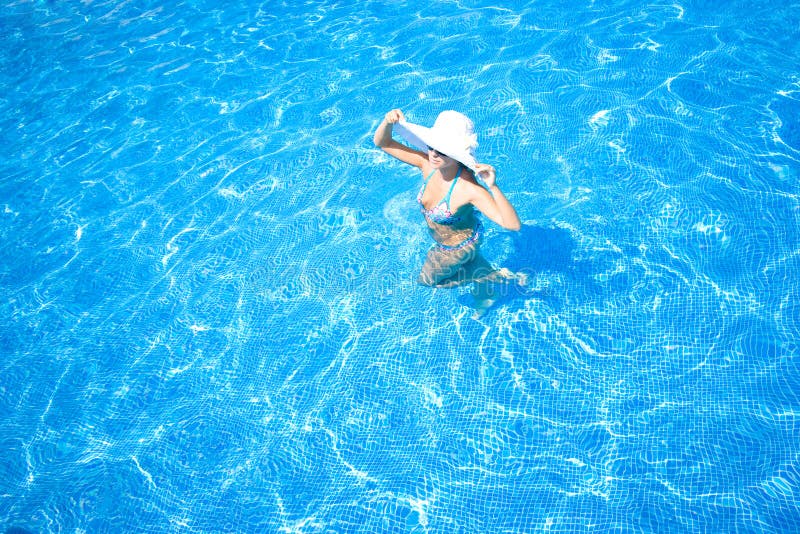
{"x":422,"y":137}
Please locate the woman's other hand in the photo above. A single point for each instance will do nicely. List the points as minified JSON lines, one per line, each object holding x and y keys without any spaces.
{"x":394,"y":116}
{"x":487,"y":174}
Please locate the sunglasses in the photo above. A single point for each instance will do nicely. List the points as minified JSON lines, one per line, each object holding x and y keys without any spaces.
{"x":431,"y":149}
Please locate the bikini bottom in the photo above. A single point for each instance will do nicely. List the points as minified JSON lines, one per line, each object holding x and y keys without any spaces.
{"x":474,"y":238}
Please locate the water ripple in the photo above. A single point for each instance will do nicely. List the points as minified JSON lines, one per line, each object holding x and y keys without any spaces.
{"x":209,"y":272}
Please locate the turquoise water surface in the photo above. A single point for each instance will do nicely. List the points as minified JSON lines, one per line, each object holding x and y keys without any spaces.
{"x":210,"y":319}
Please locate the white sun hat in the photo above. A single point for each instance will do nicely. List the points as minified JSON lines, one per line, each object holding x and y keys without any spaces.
{"x":453,"y":134}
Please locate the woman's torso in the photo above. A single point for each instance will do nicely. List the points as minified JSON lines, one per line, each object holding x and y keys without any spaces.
{"x":448,"y":227}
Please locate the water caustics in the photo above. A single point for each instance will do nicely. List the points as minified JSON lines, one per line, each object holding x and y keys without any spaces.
{"x":210,"y":319}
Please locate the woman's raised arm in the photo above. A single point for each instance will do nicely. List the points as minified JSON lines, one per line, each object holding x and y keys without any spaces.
{"x":383,"y":139}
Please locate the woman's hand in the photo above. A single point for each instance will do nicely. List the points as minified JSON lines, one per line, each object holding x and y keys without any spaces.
{"x":394,"y":116}
{"x":486,"y":173}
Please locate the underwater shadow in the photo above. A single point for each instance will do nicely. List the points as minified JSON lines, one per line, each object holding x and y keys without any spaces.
{"x":536,"y":251}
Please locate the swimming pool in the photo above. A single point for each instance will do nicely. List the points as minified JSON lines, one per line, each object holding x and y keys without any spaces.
{"x":210,"y":320}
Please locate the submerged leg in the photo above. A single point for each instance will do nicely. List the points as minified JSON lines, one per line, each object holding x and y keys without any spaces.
{"x":487,"y":280}
{"x":445,"y":268}
{"x":450,"y":268}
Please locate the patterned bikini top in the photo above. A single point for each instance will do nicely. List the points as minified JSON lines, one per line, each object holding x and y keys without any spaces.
{"x":440,"y":213}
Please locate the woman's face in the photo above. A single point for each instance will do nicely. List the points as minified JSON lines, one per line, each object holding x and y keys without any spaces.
{"x":439,"y":160}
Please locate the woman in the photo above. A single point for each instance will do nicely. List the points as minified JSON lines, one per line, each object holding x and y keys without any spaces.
{"x":449,"y":195}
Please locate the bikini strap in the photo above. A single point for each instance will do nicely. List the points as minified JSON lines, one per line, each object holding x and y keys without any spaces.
{"x":424,"y":186}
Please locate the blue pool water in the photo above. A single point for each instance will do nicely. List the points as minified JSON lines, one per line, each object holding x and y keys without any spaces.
{"x":210,"y":320}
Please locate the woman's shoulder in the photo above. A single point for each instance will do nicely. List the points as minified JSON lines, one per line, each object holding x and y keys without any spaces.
{"x":470,"y":181}
{"x":471,"y":187}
